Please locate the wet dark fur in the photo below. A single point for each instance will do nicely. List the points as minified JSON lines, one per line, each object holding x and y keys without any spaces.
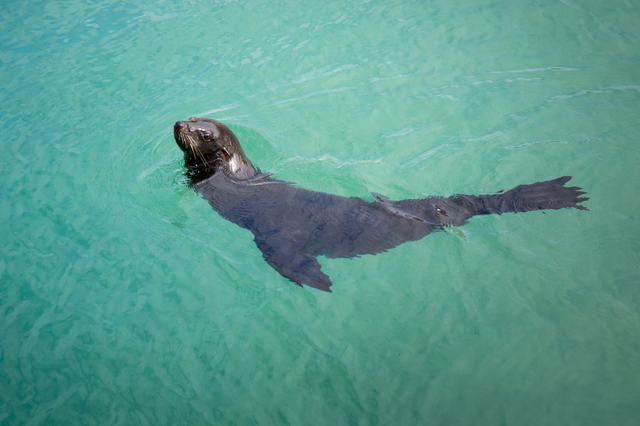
{"x":291,"y":226}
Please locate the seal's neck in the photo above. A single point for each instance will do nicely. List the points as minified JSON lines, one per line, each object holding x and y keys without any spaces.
{"x":236,"y":168}
{"x":239,"y":168}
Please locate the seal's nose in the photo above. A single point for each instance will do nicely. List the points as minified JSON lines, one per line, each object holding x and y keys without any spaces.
{"x":179,"y":125}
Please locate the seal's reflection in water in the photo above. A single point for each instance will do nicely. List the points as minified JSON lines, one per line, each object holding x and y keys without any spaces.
{"x":291,"y":226}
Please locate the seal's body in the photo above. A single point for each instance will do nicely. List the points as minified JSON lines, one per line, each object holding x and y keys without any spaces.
{"x":291,"y":226}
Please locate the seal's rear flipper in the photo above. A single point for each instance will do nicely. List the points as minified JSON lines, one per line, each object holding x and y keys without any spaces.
{"x":548,"y":195}
{"x":299,"y":267}
{"x":455,"y":210}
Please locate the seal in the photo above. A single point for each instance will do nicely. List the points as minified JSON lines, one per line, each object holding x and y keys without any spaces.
{"x":292,"y":226}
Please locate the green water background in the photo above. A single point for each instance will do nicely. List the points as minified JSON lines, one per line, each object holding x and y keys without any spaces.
{"x":124,"y":299}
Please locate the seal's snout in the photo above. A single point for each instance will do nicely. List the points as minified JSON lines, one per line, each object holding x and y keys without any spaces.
{"x":178,"y":133}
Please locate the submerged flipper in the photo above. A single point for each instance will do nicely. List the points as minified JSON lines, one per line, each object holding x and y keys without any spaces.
{"x":292,"y":262}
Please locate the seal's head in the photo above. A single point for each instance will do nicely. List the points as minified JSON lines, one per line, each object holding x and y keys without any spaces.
{"x":209,"y":146}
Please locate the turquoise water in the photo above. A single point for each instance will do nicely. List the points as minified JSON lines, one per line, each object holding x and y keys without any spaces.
{"x":125,"y":300}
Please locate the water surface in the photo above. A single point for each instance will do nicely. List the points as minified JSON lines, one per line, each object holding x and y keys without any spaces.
{"x":124,"y":299}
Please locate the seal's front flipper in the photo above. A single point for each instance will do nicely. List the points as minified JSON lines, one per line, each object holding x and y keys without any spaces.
{"x":298,"y":266}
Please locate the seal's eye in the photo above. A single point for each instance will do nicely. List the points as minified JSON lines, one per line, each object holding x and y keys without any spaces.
{"x":206,"y":136}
